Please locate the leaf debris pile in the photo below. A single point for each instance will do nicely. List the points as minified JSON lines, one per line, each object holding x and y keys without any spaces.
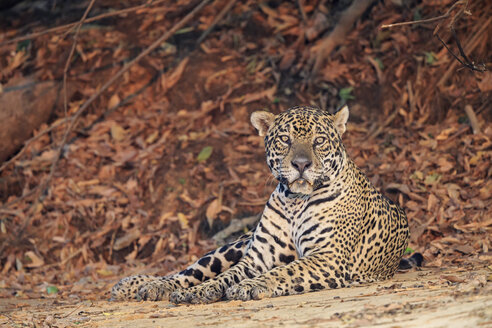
{"x":167,"y":156}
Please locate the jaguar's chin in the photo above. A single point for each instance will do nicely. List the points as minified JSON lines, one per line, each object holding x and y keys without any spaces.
{"x":301,"y":186}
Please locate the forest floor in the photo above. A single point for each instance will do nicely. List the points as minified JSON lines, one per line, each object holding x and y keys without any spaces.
{"x":445,"y":298}
{"x":166,"y":157}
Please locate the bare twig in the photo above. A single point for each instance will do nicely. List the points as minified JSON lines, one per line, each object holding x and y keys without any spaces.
{"x":42,"y":187}
{"x":375,"y":64}
{"x":69,"y":59}
{"x":300,"y":4}
{"x":235,"y":226}
{"x":473,"y":119}
{"x":411,"y":98}
{"x":10,"y":212}
{"x":466,"y":62}
{"x":18,"y":199}
{"x":387,"y":122}
{"x":221,"y":15}
{"x":423,"y":21}
{"x":88,"y":20}
{"x":470,"y":46}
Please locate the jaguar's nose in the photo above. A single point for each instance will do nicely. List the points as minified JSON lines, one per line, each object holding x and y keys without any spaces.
{"x":301,"y":164}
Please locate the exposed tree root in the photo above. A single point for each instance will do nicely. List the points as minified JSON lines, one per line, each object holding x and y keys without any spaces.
{"x":337,"y":36}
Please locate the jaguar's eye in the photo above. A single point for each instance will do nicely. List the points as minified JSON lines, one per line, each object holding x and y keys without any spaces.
{"x":319,"y":141}
{"x":285,"y":139}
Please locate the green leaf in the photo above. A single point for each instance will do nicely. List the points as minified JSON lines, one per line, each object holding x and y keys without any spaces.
{"x":276,"y":100}
{"x":380,"y":63}
{"x":432,"y":178}
{"x":205,"y":154}
{"x":251,"y":66}
{"x":344,"y":93}
{"x":51,"y":290}
{"x":409,"y":251}
{"x":182,"y":181}
{"x":23,"y":45}
{"x":430,"y":57}
{"x":184,"y":30}
{"x":463,"y":119}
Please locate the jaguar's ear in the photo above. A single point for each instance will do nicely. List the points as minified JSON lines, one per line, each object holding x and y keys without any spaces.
{"x":341,"y":118}
{"x":262,"y":121}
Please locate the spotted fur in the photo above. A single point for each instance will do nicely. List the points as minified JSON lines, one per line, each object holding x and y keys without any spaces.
{"x":324,"y":226}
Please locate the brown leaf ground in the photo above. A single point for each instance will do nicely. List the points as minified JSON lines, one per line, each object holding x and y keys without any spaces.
{"x":136,"y":192}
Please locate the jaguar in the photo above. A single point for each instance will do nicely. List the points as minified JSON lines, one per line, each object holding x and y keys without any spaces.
{"x":324,"y":226}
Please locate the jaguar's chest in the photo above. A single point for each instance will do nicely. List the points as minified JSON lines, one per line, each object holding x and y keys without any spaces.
{"x":320,"y":219}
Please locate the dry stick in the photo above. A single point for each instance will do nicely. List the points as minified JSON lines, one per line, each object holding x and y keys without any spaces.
{"x":235,"y":226}
{"x":470,"y":46}
{"x":113,"y":79}
{"x":71,"y":25}
{"x":67,"y":65}
{"x":18,"y":199}
{"x":473,"y":119}
{"x":466,"y":62}
{"x":423,"y":21}
{"x":43,"y":186}
{"x":388,"y":121}
{"x":10,"y":212}
{"x":300,"y":4}
{"x":69,"y":59}
{"x":223,"y":12}
{"x":347,"y":20}
{"x":411,"y":98}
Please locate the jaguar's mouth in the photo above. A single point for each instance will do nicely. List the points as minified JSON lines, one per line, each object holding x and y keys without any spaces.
{"x":301,"y":186}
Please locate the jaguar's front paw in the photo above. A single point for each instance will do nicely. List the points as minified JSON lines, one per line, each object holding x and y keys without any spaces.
{"x":205,"y":293}
{"x":127,"y":288}
{"x":248,"y":289}
{"x":156,"y":290}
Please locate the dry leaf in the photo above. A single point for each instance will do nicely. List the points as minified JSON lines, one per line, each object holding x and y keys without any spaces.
{"x":432,"y":202}
{"x":452,"y":278}
{"x":105,"y":272}
{"x":445,"y":133}
{"x":268,"y":93}
{"x":117,"y":132}
{"x":170,"y":80}
{"x":444,"y":164}
{"x":113,"y":101}
{"x":126,"y":240}
{"x":334,"y":70}
{"x":213,"y":210}
{"x":36,"y":261}
{"x":287,"y":59}
{"x":183,"y":221}
{"x":152,"y":137}
{"x":453,"y":192}
{"x":485,"y":84}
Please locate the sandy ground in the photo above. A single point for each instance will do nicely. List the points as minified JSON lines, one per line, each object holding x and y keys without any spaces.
{"x":451,"y":297}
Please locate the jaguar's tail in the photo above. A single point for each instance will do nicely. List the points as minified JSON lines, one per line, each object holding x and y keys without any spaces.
{"x":413,"y":261}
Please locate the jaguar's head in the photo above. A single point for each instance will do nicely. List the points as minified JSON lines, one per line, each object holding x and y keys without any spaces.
{"x":303,"y":145}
